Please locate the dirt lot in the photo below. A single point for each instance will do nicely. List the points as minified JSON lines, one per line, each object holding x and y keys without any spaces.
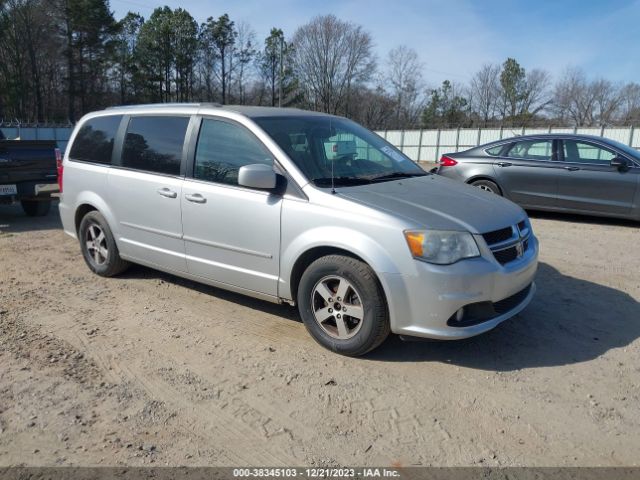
{"x":148,"y":368}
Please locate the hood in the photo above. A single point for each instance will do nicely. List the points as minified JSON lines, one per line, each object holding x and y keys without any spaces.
{"x":439,"y":203}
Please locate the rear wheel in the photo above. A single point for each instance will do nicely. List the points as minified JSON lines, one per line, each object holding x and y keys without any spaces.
{"x":98,"y":246}
{"x":343,"y":306}
{"x":36,"y":208}
{"x":487,"y":186}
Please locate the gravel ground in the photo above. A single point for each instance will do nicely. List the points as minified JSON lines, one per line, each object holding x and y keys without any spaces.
{"x":148,"y":368}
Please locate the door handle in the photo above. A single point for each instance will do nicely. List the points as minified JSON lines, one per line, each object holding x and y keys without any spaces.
{"x":165,"y":192}
{"x":504,"y":164}
{"x":571,"y":169}
{"x":195,"y":198}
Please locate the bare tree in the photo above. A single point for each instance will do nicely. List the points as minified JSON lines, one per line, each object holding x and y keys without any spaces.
{"x":376,"y":108}
{"x":570,"y":98}
{"x":536,"y":96}
{"x":331,"y":57}
{"x":244,"y":54}
{"x":606,"y":101}
{"x":484,"y":92}
{"x":586,"y":103}
{"x":404,"y":80}
{"x":629,"y":113}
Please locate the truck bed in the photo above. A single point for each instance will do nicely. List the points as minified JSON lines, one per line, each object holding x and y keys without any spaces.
{"x":27,"y":161}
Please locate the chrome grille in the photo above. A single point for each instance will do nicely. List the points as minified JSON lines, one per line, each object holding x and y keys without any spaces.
{"x":510,"y":243}
{"x":498,"y":235}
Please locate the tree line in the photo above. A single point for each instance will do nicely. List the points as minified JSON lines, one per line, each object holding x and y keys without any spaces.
{"x":60,"y":59}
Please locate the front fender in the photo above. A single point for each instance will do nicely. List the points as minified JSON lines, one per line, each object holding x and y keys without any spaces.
{"x":353,"y":241}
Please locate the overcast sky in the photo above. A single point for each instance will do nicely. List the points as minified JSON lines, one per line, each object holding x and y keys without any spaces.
{"x":454,"y":38}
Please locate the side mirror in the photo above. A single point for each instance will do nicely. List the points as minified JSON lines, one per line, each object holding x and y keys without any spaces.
{"x":620,"y":163}
{"x":257,"y":175}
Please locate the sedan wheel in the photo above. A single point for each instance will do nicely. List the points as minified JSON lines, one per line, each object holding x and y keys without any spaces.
{"x":487,"y":186}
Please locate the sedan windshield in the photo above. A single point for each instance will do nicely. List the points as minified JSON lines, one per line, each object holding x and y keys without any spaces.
{"x":326,"y":148}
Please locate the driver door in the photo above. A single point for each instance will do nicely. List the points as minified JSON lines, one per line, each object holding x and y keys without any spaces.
{"x":231,"y":233}
{"x":589,"y":183}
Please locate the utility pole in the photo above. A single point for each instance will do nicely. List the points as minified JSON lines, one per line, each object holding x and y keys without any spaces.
{"x":281,"y":72}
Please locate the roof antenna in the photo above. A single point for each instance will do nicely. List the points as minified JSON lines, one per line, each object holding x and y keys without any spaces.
{"x":333,"y":189}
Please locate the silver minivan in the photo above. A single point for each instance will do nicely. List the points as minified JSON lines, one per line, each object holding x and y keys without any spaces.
{"x":298,"y":207}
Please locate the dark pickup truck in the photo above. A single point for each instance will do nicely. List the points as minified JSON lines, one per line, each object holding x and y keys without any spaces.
{"x":29,"y":173}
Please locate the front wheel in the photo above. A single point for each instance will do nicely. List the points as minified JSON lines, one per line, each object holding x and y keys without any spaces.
{"x":98,"y":246}
{"x":343,"y":306}
{"x":487,"y":186}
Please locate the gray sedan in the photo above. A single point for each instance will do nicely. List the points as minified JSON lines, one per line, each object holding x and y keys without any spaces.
{"x":559,"y":172}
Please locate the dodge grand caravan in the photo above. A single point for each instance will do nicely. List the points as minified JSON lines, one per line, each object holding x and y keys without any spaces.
{"x":297,"y":207}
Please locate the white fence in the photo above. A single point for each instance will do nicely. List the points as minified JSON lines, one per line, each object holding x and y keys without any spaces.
{"x":429,"y":145}
{"x":419,"y":145}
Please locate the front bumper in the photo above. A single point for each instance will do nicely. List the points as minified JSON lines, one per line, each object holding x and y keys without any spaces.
{"x":423,"y":303}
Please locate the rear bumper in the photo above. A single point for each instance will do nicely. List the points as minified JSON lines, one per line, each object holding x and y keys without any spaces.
{"x":32,"y":190}
{"x":67,"y":217}
{"x":426,"y":304}
{"x":46,"y":188}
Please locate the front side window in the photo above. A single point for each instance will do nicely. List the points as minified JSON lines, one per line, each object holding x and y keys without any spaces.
{"x":154,"y":144}
{"x":629,"y":151}
{"x":94,"y":141}
{"x":582,"y":152}
{"x":223,"y":148}
{"x":531,"y":150}
{"x":325,"y":147}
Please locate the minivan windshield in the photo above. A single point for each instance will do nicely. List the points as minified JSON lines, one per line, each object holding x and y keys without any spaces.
{"x":326,"y":147}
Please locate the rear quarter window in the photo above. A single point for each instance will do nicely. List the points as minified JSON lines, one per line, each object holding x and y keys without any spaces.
{"x":494,"y":151}
{"x":94,"y":141}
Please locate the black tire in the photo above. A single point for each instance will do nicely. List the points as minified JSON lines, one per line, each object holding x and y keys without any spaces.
{"x":36,"y":208}
{"x":105,"y":264}
{"x":488,"y":186}
{"x":365,"y":290}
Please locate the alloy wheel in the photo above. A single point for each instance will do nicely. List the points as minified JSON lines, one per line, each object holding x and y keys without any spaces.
{"x":96,"y":244}
{"x":337,"y":307}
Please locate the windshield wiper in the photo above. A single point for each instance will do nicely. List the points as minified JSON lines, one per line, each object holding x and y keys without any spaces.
{"x":391,"y":176}
{"x":340,"y":181}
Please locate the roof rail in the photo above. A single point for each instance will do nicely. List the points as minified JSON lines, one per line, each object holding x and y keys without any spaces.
{"x":173,"y":104}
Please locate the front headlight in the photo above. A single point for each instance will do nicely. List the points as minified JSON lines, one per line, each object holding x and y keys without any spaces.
{"x":441,"y":247}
